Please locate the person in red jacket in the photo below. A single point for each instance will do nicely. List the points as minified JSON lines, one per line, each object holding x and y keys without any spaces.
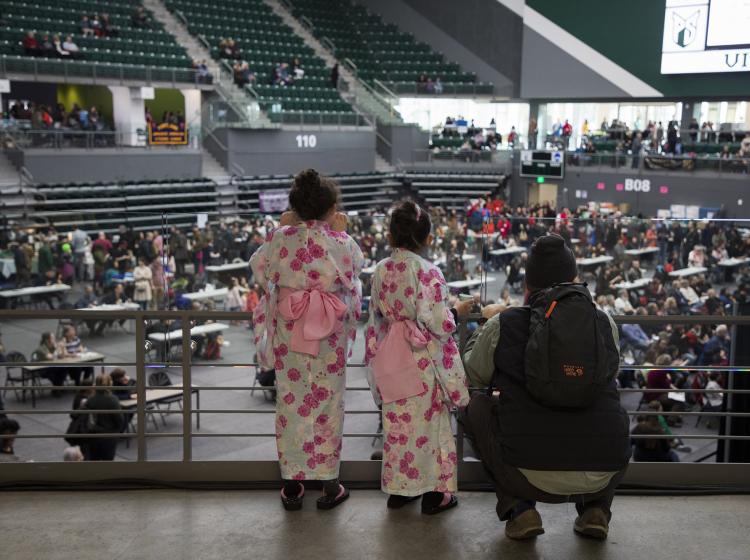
{"x":30,"y":44}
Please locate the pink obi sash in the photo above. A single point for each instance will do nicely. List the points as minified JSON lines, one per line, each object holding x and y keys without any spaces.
{"x":394,"y":366}
{"x":316,"y":315}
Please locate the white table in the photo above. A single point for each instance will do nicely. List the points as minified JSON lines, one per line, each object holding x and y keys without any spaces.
{"x":200,"y":330}
{"x":216,"y":293}
{"x":369,"y":270}
{"x":7,"y":267}
{"x":471,"y":283}
{"x":641,"y":252}
{"x":595,"y":261}
{"x":227,"y":267}
{"x":507,"y":251}
{"x":127,"y":306}
{"x":640,"y":283}
{"x":575,"y":241}
{"x":466,"y":257}
{"x":34,"y":291}
{"x":126,"y":280}
{"x":689,"y":271}
{"x":734,"y":261}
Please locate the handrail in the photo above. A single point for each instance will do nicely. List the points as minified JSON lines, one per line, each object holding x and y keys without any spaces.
{"x":329,"y":44}
{"x":382,"y":86}
{"x":307,"y":23}
{"x":180,"y":16}
{"x":202,"y":39}
{"x":350,"y":63}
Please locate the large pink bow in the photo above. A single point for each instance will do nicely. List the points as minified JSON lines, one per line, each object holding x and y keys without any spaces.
{"x":316,"y":315}
{"x":394,"y":366}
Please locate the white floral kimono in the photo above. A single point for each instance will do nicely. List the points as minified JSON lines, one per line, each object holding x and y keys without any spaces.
{"x":419,"y":451}
{"x":303,"y":323}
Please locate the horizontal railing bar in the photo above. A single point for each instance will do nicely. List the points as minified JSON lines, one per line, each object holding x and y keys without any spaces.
{"x":169,"y":314}
{"x":197,"y":434}
{"x":95,"y":436}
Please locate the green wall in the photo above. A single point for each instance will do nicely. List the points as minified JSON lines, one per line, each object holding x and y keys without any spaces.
{"x":87,"y":96}
{"x":629,"y":32}
{"x":165,"y":100}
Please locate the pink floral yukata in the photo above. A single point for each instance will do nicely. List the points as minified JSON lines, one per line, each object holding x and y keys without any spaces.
{"x":310,"y":401}
{"x":419,"y":450}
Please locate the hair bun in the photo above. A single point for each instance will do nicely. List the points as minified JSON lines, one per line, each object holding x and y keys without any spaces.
{"x":309,"y":178}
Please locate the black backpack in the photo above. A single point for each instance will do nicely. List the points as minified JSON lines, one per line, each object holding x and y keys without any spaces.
{"x":570,"y":355}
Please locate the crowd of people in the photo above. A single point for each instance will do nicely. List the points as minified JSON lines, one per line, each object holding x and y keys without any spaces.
{"x":154,"y":268}
{"x":42,"y":116}
{"x":476,"y":139}
{"x":169,"y":117}
{"x":426,"y":84}
{"x":51,"y":47}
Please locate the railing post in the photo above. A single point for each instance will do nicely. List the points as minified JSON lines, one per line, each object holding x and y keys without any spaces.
{"x":140,"y":385}
{"x":730,"y":380}
{"x":187,"y":391}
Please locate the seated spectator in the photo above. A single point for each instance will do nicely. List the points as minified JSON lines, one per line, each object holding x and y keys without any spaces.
{"x":282,"y":76}
{"x":122,"y":386}
{"x":115,"y":297}
{"x":659,"y":382}
{"x":634,"y":335}
{"x":622,"y":303}
{"x":8,"y":431}
{"x":656,"y":450}
{"x":47,"y":352}
{"x":70,"y":347}
{"x":140,"y":17}
{"x":85,"y":27}
{"x":717,"y":343}
{"x":297,"y":69}
{"x":59,"y":50}
{"x":108,"y":28}
{"x":202,"y":74}
{"x":30,"y":44}
{"x":635,"y":272}
{"x":96,"y":25}
{"x":242,"y":74}
{"x":70,"y":47}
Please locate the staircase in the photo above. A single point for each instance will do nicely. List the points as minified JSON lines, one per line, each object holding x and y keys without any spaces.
{"x":211,"y":168}
{"x":9,"y":176}
{"x":240,"y":102}
{"x":361,"y":95}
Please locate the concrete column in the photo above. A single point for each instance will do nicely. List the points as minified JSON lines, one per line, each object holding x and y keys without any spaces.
{"x":129,"y":117}
{"x":193,"y":115}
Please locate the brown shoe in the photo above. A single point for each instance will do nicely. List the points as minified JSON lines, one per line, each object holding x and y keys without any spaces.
{"x":525,"y":526}
{"x":592,"y":523}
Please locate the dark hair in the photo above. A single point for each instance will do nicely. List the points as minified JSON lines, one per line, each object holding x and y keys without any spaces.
{"x":8,"y":427}
{"x":312,"y":195}
{"x":410,"y":226}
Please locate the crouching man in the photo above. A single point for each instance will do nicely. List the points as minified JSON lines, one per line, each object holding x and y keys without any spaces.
{"x":549,"y":426}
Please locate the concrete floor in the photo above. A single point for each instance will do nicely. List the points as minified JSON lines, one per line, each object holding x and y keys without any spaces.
{"x":179,"y":524}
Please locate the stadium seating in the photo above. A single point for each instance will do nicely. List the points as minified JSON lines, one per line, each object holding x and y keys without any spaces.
{"x":98,"y":207}
{"x":381,"y":51}
{"x":134,"y":53}
{"x":451,"y":190}
{"x":264,"y":41}
{"x":359,"y":191}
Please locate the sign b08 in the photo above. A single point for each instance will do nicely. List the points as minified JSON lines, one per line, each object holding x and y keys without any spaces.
{"x":638,"y":185}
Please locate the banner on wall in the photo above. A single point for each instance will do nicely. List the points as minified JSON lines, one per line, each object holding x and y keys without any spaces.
{"x":167,"y":134}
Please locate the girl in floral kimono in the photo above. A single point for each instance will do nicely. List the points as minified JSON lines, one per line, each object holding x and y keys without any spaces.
{"x":415,"y":367}
{"x":309,"y":268}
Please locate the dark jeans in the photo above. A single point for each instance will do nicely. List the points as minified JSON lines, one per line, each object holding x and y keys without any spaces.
{"x":511,"y":486}
{"x":102,"y":449}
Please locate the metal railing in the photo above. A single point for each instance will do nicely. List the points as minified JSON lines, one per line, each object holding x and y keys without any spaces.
{"x":359,"y":472}
{"x":659,"y":162}
{"x":81,"y":71}
{"x":64,"y":138}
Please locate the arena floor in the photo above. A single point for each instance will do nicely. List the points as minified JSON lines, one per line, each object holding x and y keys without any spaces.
{"x":118,"y":344}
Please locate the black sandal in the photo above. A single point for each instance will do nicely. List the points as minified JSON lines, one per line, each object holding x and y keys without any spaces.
{"x":328,"y":501}
{"x":293,"y":503}
{"x":397,"y":502}
{"x":449,"y":501}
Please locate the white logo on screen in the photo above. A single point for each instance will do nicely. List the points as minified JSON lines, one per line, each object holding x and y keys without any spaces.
{"x":684,"y":29}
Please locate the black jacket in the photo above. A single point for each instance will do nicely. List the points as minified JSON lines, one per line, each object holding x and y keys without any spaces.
{"x":106,"y":423}
{"x":533,"y":436}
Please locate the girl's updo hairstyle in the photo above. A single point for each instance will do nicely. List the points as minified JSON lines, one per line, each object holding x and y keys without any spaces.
{"x":409,"y":227}
{"x":312,"y":195}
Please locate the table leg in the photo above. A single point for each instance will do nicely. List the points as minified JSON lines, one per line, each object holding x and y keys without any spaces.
{"x":198,"y":408}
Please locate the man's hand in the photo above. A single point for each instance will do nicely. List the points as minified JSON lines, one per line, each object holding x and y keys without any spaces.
{"x":489,"y":311}
{"x":289,"y":218}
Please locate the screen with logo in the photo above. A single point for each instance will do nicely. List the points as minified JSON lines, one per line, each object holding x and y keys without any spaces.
{"x":704,"y":36}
